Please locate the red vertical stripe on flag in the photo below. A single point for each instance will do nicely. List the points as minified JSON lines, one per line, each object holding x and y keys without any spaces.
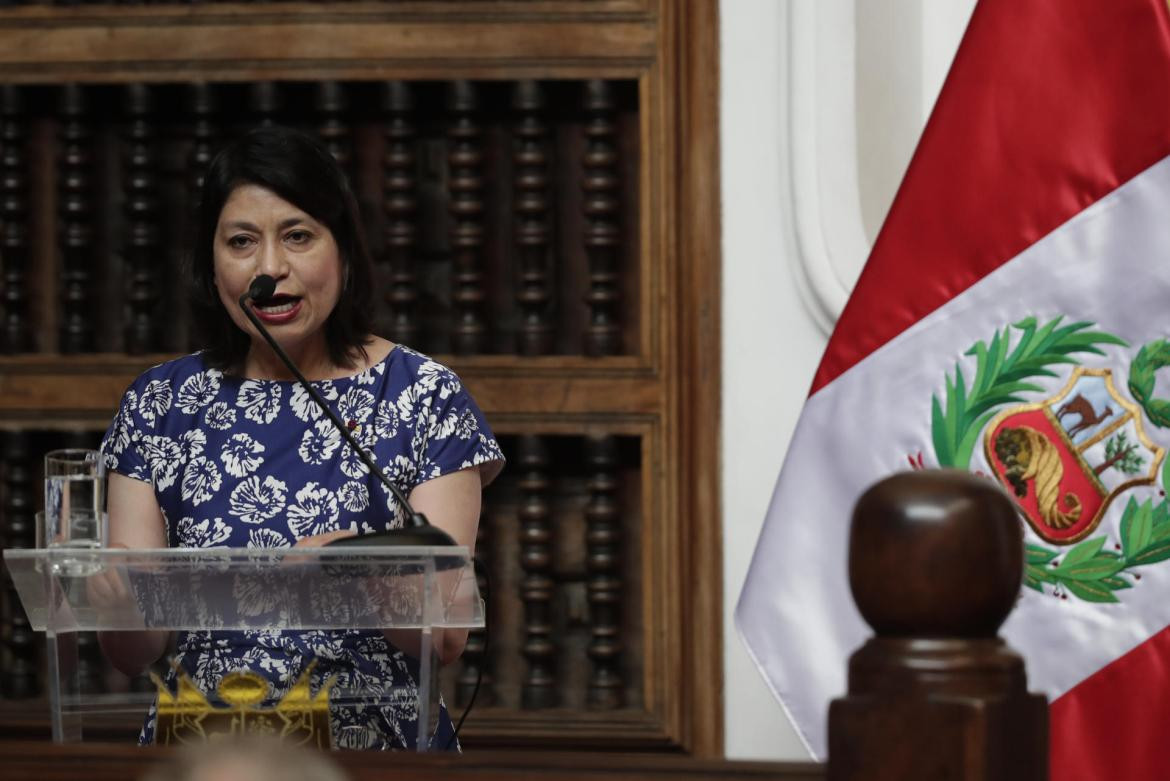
{"x":1049,"y":106}
{"x":1112,"y":725}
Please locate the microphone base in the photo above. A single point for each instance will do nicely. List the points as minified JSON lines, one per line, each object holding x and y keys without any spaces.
{"x":415,"y":536}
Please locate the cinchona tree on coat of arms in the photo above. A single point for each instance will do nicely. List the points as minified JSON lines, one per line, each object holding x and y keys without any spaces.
{"x":1067,"y":457}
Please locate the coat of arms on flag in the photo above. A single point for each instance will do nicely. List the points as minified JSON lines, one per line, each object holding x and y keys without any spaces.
{"x":1065,"y":457}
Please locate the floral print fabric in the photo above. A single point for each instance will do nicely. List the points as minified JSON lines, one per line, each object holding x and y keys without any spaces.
{"x":256,"y":464}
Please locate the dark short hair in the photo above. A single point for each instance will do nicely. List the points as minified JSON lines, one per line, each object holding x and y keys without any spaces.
{"x":298,"y":169}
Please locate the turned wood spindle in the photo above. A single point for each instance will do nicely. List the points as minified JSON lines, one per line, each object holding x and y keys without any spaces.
{"x":330,"y":104}
{"x":263,"y":103}
{"x":141,"y":227}
{"x":532,"y":223}
{"x":202,"y":103}
{"x":76,"y":218}
{"x":936,"y":560}
{"x":19,"y":676}
{"x":602,"y":233}
{"x":203,"y":137}
{"x":400,"y":205}
{"x":16,"y":336}
{"x":539,"y":688}
{"x":603,"y":564}
{"x":476,"y":662}
{"x":466,"y":185}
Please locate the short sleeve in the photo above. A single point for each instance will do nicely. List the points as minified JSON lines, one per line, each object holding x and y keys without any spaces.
{"x":452,"y":434}
{"x":120,"y":445}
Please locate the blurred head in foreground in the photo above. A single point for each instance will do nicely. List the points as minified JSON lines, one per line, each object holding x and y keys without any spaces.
{"x":247,"y":759}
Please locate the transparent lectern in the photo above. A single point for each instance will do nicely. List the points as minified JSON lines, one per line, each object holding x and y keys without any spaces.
{"x":407,"y":592}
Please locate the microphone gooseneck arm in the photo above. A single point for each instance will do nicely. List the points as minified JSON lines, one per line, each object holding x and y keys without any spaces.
{"x":263,"y":287}
{"x":418,"y":530}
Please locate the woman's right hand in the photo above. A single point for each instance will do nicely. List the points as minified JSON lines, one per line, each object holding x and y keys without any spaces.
{"x":135,"y":522}
{"x":107,"y":590}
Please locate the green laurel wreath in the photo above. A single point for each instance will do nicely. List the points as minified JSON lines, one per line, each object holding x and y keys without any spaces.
{"x":1089,"y":570}
{"x":1000,"y":377}
{"x":1150,"y":358}
{"x":1094,"y":573}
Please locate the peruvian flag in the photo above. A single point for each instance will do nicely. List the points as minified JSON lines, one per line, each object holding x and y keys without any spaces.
{"x":1012,"y":321}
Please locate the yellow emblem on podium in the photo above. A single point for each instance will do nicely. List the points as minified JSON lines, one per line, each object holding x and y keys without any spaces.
{"x":187,"y":716}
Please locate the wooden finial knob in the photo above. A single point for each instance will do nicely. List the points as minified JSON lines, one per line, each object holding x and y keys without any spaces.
{"x":936,"y":553}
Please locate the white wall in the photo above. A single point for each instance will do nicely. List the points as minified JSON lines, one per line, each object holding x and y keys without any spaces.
{"x":770,"y":343}
{"x":896,"y":52}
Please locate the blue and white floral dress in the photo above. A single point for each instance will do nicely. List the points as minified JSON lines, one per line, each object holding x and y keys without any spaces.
{"x":255,"y":464}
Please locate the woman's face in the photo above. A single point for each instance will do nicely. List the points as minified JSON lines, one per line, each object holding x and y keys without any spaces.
{"x":261,"y":233}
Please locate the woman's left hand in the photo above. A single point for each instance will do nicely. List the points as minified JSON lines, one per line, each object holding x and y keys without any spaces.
{"x":321,"y":540}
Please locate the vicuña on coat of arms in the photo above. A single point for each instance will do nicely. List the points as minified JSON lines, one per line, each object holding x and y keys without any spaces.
{"x":1065,"y":458}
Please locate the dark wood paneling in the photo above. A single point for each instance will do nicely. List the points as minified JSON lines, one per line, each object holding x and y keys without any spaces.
{"x":614,"y":101}
{"x":333,"y":41}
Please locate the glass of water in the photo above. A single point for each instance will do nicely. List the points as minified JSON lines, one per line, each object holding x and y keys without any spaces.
{"x":75,"y":500}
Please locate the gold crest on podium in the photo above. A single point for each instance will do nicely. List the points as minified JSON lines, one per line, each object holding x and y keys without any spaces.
{"x":187,"y":716}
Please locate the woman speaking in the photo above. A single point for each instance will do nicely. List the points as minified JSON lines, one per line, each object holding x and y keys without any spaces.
{"x":224,"y":448}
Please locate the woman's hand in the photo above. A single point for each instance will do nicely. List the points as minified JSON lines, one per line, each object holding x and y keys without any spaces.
{"x":452,"y":503}
{"x":135,"y":522}
{"x":132,"y":647}
{"x":321,"y":540}
{"x":107,"y":590}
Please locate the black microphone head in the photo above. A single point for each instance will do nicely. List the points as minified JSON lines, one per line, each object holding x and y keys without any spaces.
{"x":262,"y":286}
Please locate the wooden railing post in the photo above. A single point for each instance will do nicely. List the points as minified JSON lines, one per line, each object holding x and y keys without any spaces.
{"x":935,"y":565}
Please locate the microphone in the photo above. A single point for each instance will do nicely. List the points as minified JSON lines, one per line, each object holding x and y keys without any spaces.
{"x":417,"y":530}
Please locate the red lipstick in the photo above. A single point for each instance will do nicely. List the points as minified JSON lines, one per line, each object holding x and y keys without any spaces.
{"x":278,"y":309}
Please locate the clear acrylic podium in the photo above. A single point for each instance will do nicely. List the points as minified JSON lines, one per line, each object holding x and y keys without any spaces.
{"x":407,"y":590}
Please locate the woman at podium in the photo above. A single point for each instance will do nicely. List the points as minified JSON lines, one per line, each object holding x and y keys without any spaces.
{"x":224,"y":448}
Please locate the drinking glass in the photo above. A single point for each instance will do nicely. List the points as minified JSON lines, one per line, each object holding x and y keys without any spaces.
{"x":75,"y":500}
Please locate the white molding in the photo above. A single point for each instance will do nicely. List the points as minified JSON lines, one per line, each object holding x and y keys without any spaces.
{"x":821,"y":36}
{"x":943,"y":25}
{"x":822,"y":155}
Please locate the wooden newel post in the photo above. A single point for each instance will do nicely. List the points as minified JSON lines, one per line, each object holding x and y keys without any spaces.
{"x":935,"y":565}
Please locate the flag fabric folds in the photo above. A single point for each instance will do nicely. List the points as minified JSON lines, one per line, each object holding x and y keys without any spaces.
{"x":1011,"y":321}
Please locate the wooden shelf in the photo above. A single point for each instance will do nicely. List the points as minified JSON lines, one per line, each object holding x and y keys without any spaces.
{"x":67,"y":391}
{"x":245,"y":41}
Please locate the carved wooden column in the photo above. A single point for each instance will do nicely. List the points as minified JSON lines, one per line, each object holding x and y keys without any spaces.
{"x":263,"y":103}
{"x":76,"y":217}
{"x":332,"y":130}
{"x":466,"y":184}
{"x":539,"y":689}
{"x":18,"y":678}
{"x":602,"y":235}
{"x":203,"y":137}
{"x":399,"y":203}
{"x":603,"y":563}
{"x":16,"y":334}
{"x":476,"y":660}
{"x":936,"y":560}
{"x":201,"y":103}
{"x":532,"y":206}
{"x":141,"y":231}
